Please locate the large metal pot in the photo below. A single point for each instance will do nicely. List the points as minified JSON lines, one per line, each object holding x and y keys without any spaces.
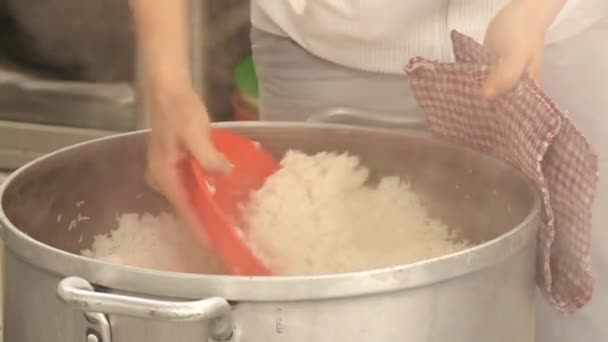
{"x":482,"y":294}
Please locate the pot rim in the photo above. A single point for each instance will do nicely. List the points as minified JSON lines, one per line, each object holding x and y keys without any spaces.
{"x":275,"y":288}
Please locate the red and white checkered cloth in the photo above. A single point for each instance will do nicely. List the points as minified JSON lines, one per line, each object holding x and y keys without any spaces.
{"x":527,"y":129}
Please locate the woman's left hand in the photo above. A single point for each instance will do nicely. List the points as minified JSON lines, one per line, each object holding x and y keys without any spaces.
{"x":516,"y":35}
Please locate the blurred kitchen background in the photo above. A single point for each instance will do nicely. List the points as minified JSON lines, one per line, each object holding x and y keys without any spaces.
{"x":67,"y":71}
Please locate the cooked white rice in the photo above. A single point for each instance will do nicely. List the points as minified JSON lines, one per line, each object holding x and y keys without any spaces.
{"x":316,"y":215}
{"x":155,"y":242}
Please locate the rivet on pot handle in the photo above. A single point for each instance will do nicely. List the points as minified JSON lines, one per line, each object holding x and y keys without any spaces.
{"x":81,"y":294}
{"x":365,"y":118}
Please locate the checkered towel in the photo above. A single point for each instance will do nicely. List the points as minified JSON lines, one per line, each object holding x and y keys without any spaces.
{"x":527,"y":129}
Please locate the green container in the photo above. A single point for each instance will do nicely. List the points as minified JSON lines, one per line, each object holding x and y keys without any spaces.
{"x":246,"y":80}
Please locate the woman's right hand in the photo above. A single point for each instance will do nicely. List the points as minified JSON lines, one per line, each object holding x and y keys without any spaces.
{"x":180,"y":128}
{"x":178,"y":117}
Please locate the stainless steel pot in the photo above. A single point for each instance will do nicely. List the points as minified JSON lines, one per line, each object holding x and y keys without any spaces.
{"x":482,"y":294}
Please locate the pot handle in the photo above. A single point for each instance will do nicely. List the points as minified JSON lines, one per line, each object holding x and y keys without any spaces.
{"x":357,"y":117}
{"x":80,"y":293}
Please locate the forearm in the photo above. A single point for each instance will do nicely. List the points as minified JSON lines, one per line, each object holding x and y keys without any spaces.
{"x":162,"y":35}
{"x":543,"y":12}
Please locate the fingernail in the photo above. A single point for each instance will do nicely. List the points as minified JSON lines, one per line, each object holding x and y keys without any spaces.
{"x":489,"y":92}
{"x":227,"y":167}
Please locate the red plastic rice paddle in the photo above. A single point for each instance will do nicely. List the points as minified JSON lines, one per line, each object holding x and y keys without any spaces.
{"x":215,"y":199}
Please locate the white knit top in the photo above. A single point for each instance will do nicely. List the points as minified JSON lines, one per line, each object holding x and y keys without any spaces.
{"x":381,"y":35}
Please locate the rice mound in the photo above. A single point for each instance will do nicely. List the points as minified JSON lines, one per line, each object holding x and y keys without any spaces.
{"x":154,"y":242}
{"x":318,"y":215}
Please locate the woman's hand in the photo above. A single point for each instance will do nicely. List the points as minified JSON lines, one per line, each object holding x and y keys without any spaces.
{"x":516,"y":35}
{"x":179,"y":119}
{"x":180,"y":128}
